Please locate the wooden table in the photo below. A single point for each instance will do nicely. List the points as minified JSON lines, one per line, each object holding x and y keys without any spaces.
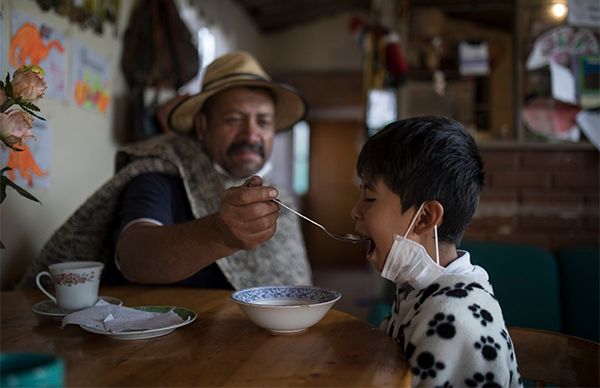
{"x":221,"y":348}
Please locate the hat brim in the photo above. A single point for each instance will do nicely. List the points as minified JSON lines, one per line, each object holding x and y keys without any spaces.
{"x":290,"y":106}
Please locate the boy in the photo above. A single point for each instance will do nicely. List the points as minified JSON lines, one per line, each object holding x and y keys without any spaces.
{"x":420,"y":184}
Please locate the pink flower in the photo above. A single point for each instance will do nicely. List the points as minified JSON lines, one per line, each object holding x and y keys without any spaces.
{"x":15,"y":127}
{"x":28,"y":83}
{"x":3,"y":97}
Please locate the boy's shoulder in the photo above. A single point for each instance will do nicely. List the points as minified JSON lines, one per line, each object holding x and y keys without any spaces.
{"x":457,"y":292}
{"x":457,"y":286}
{"x":457,"y":323}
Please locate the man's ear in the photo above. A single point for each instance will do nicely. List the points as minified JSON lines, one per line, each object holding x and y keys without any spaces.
{"x":200,"y":125}
{"x":431,"y":215}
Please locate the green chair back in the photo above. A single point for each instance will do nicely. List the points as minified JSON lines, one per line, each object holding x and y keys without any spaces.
{"x":525,"y":281}
{"x":580,"y":289}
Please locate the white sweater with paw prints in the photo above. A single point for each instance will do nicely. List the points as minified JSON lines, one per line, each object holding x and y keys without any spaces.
{"x":452,"y":333}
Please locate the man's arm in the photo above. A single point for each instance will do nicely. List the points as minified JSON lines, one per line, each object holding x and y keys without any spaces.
{"x":163,"y":254}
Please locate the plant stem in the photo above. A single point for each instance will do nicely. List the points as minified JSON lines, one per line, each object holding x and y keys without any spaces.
{"x":11,"y":101}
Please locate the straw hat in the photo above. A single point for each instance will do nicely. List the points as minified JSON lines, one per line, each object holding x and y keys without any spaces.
{"x":239,"y":68}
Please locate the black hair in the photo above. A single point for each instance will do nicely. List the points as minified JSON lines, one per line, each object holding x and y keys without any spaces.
{"x":428,"y":158}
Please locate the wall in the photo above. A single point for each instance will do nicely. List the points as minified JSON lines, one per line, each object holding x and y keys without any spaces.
{"x":82,"y":150}
{"x":232,"y":27}
{"x":325,"y":44}
{"x":84,"y":143}
{"x":545,"y":197}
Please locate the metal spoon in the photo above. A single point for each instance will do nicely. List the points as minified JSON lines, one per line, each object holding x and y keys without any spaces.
{"x":345,"y":237}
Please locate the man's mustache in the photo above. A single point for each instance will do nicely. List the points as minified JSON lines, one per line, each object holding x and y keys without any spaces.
{"x":246,"y":147}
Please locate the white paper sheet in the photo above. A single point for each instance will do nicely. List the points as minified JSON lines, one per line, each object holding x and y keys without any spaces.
{"x":115,"y":319}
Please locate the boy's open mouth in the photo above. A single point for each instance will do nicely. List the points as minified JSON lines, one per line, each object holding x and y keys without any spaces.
{"x":370,"y":247}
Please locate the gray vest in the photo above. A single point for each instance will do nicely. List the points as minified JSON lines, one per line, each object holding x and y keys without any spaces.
{"x":88,"y":233}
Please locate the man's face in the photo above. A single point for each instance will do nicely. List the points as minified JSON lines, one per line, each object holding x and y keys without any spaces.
{"x":238,"y":129}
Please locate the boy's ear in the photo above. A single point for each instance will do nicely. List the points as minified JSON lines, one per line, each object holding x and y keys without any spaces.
{"x":431,"y":215}
{"x":200,"y":125}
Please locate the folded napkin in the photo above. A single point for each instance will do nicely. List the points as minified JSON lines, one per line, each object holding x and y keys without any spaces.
{"x":114,"y":319}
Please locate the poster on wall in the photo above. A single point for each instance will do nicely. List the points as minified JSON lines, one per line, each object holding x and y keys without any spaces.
{"x":31,"y":166}
{"x":90,"y":80}
{"x":34,"y":43}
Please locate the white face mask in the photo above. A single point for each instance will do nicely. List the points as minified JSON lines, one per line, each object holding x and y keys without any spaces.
{"x":409,"y":262}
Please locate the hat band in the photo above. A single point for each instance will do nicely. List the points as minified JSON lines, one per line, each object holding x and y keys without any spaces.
{"x":246,"y":76}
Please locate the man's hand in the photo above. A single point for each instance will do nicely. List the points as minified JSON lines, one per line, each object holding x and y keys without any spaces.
{"x":247,"y":216}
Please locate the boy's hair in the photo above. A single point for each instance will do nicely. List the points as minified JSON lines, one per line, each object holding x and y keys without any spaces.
{"x":428,"y":158}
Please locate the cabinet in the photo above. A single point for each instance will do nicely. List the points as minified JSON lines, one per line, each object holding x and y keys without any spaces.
{"x":491,"y":105}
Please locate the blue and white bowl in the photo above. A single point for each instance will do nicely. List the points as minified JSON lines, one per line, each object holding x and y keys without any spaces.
{"x":285,"y":309}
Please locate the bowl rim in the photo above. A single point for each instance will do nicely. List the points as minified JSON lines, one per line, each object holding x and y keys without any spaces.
{"x":336,"y":295}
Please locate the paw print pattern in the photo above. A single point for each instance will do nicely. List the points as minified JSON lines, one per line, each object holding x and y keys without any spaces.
{"x":426,"y":293}
{"x":443,"y":325}
{"x":478,"y":312}
{"x":446,"y":385}
{"x":427,"y":366}
{"x":409,"y":351}
{"x":509,"y":346}
{"x":489,"y":348}
{"x":479,"y":380}
{"x":460,"y":290}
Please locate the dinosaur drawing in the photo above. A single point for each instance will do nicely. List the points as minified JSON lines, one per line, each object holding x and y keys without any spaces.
{"x":28,"y":48}
{"x":25,"y":164}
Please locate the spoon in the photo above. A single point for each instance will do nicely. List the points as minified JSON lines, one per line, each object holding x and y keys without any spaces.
{"x":352,"y":238}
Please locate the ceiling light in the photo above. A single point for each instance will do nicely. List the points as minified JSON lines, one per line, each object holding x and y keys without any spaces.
{"x":558,"y":10}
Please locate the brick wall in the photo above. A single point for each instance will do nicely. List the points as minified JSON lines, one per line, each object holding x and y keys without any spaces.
{"x":545,"y":197}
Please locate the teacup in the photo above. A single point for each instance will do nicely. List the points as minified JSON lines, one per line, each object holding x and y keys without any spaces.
{"x":76,"y":283}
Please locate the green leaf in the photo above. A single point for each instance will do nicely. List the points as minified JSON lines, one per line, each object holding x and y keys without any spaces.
{"x":7,"y":81}
{"x":2,"y":188}
{"x":33,"y":114}
{"x":29,"y":105}
{"x":1,"y":85}
{"x":20,"y":190}
{"x":8,"y":89}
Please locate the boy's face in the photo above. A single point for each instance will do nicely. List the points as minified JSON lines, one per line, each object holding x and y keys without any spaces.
{"x":378,"y":215}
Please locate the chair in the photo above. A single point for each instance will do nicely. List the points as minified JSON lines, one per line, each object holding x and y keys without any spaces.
{"x":552,"y":358}
{"x":525,"y":280}
{"x":580,"y":291}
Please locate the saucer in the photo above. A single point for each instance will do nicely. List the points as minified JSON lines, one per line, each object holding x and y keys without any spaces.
{"x":49,"y":309}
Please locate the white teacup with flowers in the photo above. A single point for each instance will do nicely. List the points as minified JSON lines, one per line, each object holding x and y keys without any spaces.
{"x":76,"y":283}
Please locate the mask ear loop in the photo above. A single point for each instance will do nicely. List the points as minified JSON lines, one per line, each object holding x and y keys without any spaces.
{"x":437,"y":246}
{"x":412,"y":223}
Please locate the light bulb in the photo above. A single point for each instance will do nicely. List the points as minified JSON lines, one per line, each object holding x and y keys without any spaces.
{"x":558,"y":10}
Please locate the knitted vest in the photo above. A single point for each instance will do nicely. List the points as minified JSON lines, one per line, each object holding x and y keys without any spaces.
{"x":88,"y":233}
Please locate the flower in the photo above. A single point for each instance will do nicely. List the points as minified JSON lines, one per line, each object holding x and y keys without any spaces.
{"x":15,"y":127}
{"x":28,"y":83}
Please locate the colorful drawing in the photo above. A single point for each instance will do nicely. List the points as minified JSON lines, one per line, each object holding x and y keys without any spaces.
{"x":31,"y":166}
{"x":91,"y":82}
{"x":28,"y":48}
{"x":25,"y":165}
{"x":32,"y":42}
{"x":90,"y":92}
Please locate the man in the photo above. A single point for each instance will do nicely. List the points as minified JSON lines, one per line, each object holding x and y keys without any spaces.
{"x":190,"y":207}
